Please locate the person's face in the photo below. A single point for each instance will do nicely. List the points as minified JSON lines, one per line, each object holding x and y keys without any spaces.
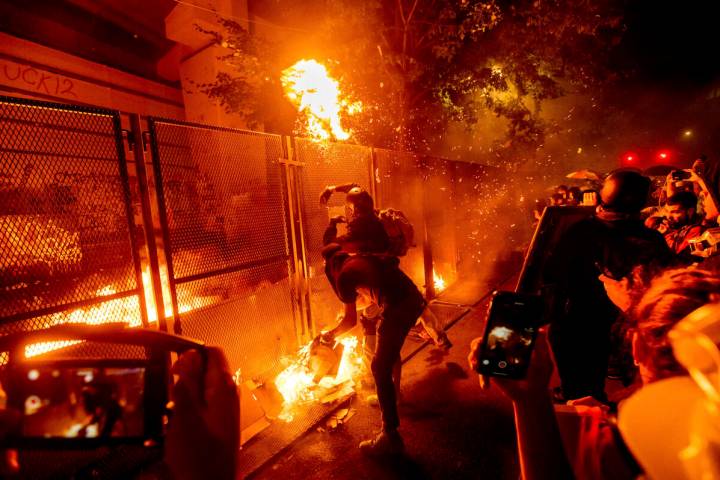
{"x":618,"y":291}
{"x":677,"y":215}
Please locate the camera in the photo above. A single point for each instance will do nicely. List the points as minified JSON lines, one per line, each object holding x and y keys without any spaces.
{"x":510,"y":333}
{"x":707,"y":244}
{"x":68,"y":401}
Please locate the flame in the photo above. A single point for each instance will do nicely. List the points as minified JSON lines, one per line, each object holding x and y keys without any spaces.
{"x":316,"y":94}
{"x":124,"y":310}
{"x":438,"y":282}
{"x":296,"y":383}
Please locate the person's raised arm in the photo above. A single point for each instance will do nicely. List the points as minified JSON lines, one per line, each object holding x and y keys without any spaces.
{"x":330,"y":189}
{"x":540,"y":447}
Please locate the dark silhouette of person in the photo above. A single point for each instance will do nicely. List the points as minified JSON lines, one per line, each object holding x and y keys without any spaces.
{"x":581,"y":314}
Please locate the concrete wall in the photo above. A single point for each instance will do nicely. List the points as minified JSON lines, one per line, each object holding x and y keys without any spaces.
{"x":31,"y":70}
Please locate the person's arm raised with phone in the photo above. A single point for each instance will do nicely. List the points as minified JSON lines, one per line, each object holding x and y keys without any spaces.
{"x":540,"y":447}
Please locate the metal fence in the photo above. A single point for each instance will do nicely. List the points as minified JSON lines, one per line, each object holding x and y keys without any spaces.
{"x":236,"y":224}
{"x":222,"y":212}
{"x":68,"y":249}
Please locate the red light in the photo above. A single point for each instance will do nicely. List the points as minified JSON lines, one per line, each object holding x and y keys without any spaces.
{"x":629,"y":157}
{"x":663,"y":155}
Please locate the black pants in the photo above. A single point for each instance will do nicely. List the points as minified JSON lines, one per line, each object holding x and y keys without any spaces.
{"x":396,"y":322}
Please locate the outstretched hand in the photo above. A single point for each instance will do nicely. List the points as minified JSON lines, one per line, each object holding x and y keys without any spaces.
{"x":203,"y":437}
{"x":326,"y":194}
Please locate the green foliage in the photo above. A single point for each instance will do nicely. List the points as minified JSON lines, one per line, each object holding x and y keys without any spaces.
{"x":418,"y":64}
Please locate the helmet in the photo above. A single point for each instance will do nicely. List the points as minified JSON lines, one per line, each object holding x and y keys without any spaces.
{"x":625,"y":191}
{"x":360,"y":201}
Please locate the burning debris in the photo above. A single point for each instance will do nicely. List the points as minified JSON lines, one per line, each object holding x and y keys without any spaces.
{"x":317,"y":95}
{"x":320,"y":373}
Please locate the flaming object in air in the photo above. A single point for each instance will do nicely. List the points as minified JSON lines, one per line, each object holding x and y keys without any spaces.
{"x":317,"y":95}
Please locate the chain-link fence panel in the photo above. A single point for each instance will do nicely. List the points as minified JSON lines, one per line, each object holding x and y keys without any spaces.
{"x":440,"y":216}
{"x":399,"y":185}
{"x":67,"y":238}
{"x":326,"y":164}
{"x":222,"y":211}
{"x":491,"y":224}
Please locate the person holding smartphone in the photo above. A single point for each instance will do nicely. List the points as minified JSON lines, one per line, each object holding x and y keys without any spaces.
{"x":670,"y":298}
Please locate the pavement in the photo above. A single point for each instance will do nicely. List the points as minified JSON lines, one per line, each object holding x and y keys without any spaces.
{"x":452,"y":429}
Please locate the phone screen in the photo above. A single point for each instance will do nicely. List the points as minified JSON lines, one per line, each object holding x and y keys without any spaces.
{"x":94,"y":402}
{"x":509,"y":335}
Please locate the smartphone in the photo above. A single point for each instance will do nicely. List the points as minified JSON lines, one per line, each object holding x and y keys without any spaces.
{"x":510,"y":332}
{"x":681,"y":174}
{"x":82,"y":403}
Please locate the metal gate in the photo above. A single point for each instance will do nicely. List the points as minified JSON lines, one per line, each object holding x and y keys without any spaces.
{"x":68,"y":249}
{"x":222,"y":211}
{"x":320,"y":165}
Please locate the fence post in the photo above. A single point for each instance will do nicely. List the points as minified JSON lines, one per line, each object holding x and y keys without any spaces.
{"x":427,"y":236}
{"x":304,"y":325}
{"x":372,"y":184}
{"x":148,"y":227}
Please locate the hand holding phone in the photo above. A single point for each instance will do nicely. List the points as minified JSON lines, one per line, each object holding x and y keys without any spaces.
{"x":203,"y":436}
{"x":536,"y":380}
{"x":510,"y":332}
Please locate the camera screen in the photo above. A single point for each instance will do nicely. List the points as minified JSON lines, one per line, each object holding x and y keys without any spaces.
{"x":82,"y":402}
{"x":509,"y":340}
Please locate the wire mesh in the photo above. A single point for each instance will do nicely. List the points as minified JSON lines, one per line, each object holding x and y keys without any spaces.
{"x":66,"y":247}
{"x":399,"y":185}
{"x":326,"y":164}
{"x":249,"y":313}
{"x":222,"y":195}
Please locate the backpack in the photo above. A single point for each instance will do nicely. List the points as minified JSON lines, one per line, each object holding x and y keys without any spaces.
{"x":399,"y":230}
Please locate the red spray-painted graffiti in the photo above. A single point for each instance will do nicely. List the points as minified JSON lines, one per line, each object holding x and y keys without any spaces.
{"x":39,"y":80}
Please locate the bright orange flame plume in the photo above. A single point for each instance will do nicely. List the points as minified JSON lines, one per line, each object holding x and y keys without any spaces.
{"x":317,"y":95}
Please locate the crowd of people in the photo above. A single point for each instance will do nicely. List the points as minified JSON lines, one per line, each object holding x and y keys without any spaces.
{"x":643,"y":269}
{"x":624,"y":264}
{"x":642,"y":263}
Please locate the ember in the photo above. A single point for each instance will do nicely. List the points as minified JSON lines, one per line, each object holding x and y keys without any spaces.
{"x":317,"y":95}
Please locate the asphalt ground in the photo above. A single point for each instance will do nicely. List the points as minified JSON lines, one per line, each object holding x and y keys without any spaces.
{"x":452,"y":429}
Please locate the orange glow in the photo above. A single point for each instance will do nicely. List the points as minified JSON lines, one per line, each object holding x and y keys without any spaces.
{"x":317,"y":95}
{"x":438,"y":282}
{"x":123,"y":310}
{"x":296,"y":383}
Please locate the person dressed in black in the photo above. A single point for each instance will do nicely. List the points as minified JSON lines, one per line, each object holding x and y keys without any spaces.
{"x":365,"y":231}
{"x":581,"y":314}
{"x":379,"y":279}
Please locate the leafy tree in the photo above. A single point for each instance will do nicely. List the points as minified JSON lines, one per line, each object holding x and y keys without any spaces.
{"x":418,"y":64}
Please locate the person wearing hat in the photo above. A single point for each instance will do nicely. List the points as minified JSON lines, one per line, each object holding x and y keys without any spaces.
{"x":581,"y":314}
{"x":379,"y":279}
